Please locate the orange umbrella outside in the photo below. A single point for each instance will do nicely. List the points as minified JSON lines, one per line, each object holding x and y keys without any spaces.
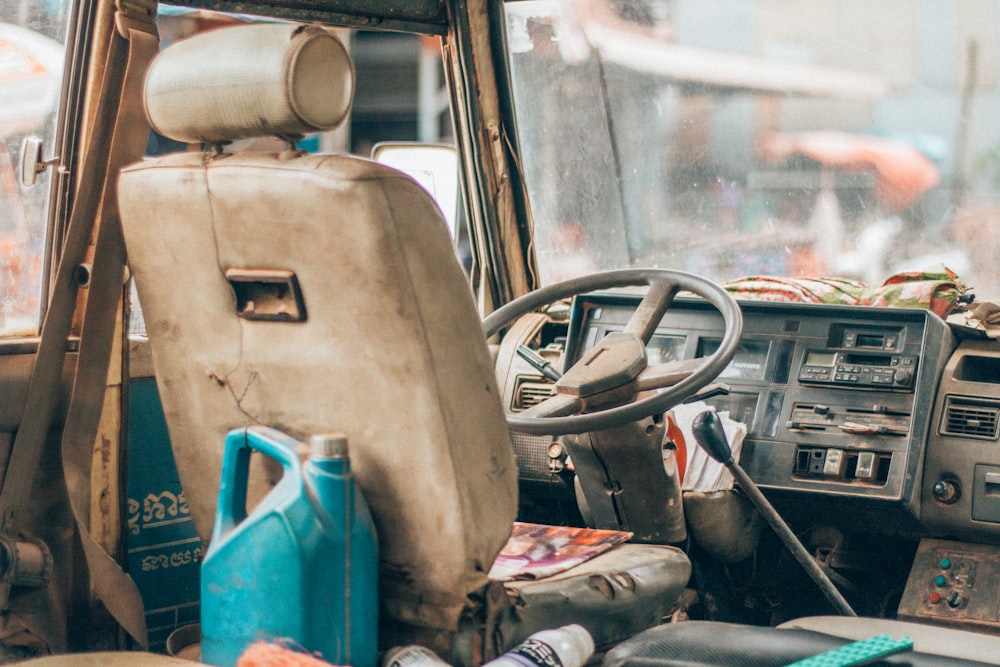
{"x":903,"y":173}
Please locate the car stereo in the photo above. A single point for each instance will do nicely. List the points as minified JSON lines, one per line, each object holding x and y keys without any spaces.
{"x":857,"y":369}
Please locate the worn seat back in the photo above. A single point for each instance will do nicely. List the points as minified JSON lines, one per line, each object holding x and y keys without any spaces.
{"x":316,"y":294}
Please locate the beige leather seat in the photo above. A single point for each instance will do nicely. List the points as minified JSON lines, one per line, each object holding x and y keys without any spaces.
{"x":321,"y":293}
{"x":715,"y":644}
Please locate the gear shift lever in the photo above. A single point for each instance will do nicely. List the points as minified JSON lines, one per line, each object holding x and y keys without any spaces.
{"x":707,"y":428}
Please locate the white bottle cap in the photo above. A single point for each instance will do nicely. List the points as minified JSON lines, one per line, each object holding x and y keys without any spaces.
{"x":412,"y":656}
{"x":328,"y":446}
{"x":582,"y":638}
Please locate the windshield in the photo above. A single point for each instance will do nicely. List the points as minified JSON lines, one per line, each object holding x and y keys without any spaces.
{"x":736,"y":138}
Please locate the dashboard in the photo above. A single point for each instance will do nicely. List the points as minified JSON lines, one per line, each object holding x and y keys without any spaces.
{"x":836,"y":400}
{"x":881,"y":413}
{"x":880,"y":422}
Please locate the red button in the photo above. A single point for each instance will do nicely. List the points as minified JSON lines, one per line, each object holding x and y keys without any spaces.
{"x":935,"y":597}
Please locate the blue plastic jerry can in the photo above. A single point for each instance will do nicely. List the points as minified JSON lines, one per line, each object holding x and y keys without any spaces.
{"x":302,"y":568}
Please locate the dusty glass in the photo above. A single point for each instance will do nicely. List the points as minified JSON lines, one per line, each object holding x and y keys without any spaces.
{"x":32,"y":55}
{"x":733,"y":138}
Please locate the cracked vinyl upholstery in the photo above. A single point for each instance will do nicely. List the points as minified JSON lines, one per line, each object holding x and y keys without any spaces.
{"x":391,"y":353}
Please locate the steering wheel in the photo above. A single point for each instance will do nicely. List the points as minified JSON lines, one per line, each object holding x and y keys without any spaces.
{"x":598,"y":392}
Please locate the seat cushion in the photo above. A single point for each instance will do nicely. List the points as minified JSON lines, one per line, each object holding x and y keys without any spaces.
{"x":926,"y":638}
{"x":613,"y":595}
{"x":108,"y":659}
{"x":712,"y":644}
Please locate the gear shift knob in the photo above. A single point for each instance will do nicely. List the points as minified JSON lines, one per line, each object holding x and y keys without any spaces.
{"x":708,"y":431}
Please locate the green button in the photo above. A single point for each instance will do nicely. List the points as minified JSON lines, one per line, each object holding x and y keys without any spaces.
{"x":940,"y":580}
{"x":945,"y":563}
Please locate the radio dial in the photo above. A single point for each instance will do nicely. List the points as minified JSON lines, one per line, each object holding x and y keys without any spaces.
{"x":903,"y":377}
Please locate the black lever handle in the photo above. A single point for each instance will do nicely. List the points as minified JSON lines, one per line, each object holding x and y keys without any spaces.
{"x":709,"y":391}
{"x":708,"y":431}
{"x":538,"y":362}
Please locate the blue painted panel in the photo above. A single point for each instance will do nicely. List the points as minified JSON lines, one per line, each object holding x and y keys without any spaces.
{"x":164,"y":552}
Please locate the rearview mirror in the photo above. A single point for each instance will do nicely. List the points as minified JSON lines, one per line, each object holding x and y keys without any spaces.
{"x":32,"y":163}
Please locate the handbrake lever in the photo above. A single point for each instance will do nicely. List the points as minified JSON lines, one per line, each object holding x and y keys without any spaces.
{"x":708,"y":431}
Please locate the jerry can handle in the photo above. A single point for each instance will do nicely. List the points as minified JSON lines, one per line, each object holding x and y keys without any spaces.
{"x":240,"y":444}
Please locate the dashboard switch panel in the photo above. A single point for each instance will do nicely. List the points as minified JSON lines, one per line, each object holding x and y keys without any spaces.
{"x":955,"y":584}
{"x":837,"y":400}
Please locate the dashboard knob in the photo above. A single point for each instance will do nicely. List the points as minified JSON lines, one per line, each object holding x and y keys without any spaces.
{"x":903,"y":377}
{"x":945,"y":491}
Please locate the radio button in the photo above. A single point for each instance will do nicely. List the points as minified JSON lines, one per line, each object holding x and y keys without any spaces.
{"x":866,"y":465}
{"x":833,"y":466}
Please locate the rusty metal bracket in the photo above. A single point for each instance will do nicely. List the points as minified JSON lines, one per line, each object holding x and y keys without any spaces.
{"x":23,"y":563}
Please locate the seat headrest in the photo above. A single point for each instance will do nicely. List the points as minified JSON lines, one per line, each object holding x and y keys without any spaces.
{"x":268,"y":79}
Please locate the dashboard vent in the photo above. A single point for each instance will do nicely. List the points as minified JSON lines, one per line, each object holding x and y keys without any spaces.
{"x":530,"y":391}
{"x":971,"y":419}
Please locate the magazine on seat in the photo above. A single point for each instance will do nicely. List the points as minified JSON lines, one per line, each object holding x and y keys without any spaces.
{"x":535,"y":551}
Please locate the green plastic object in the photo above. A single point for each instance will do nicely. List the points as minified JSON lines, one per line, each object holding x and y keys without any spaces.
{"x":862,"y":652}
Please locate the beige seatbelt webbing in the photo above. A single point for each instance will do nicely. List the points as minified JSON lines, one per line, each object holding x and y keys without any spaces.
{"x":128,"y":144}
{"x":119,"y":138}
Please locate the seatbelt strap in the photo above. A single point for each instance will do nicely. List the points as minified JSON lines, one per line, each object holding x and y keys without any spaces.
{"x":119,"y":137}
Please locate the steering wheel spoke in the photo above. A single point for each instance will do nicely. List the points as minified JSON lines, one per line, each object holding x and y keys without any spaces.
{"x":557,"y":405}
{"x":651,"y":309}
{"x":668,"y":374}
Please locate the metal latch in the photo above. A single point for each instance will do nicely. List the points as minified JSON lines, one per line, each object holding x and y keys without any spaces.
{"x":23,"y":563}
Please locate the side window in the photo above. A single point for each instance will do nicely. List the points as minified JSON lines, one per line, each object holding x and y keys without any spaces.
{"x":33,"y":36}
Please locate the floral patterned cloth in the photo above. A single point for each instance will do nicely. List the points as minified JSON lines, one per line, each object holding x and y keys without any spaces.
{"x":803,"y":290}
{"x":937,"y":289}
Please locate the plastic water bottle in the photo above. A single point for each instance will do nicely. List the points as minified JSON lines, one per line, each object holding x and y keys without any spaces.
{"x":302,"y":568}
{"x":568,"y":646}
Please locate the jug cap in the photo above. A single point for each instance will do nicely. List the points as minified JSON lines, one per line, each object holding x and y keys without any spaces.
{"x":328,"y":445}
